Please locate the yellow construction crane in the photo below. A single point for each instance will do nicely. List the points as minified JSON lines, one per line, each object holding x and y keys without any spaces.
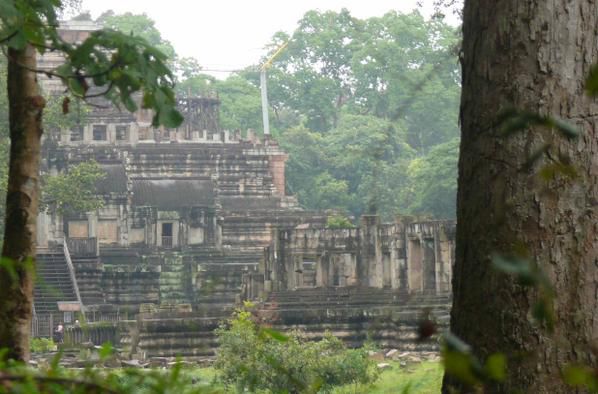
{"x":264,"y":87}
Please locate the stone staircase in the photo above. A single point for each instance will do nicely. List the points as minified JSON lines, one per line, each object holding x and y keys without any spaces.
{"x":88,"y":271}
{"x":53,"y":282}
{"x":176,"y":279}
{"x":220,"y":275}
{"x":128,"y":279}
{"x":355,"y":314}
{"x":176,"y":330}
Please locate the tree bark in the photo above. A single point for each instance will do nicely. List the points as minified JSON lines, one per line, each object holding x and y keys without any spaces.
{"x":18,"y":253}
{"x":533,"y":55}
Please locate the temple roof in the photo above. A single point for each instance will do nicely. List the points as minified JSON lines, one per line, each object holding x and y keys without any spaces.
{"x":115,"y":180}
{"x":172,"y":194}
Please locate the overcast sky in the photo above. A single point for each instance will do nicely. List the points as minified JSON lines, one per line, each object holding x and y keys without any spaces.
{"x":230,"y":34}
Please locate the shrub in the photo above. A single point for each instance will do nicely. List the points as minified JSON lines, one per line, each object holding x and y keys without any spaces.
{"x":338,"y":221}
{"x":42,"y":345}
{"x":254,"y":358}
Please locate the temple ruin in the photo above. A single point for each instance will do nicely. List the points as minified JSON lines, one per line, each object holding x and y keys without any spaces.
{"x":196,"y":220}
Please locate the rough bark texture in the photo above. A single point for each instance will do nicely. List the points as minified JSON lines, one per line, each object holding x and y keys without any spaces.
{"x":16,"y":288}
{"x":533,"y":55}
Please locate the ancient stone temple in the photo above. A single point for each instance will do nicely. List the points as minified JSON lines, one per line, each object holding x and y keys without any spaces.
{"x":196,"y":219}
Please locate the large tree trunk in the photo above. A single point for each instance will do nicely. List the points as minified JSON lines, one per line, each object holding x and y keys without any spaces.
{"x":16,"y":283}
{"x":532,"y":55}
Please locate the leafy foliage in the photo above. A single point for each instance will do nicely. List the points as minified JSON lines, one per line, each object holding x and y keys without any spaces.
{"x":432,"y":182}
{"x":41,"y":345}
{"x":75,"y":190}
{"x":139,"y":25}
{"x":253,"y":358}
{"x":361,"y":105}
{"x":121,"y":64}
{"x":19,"y":378}
{"x":338,"y":221}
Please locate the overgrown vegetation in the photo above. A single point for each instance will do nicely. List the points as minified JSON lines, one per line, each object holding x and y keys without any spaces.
{"x":74,"y":191}
{"x":338,"y":221}
{"x":52,"y":378}
{"x":253,"y":358}
{"x":421,"y":378}
{"x":42,"y":345}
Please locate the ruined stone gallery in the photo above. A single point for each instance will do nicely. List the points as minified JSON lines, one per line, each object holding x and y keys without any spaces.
{"x":196,"y":220}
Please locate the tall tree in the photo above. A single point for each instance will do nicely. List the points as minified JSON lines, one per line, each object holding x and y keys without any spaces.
{"x":139,"y":25}
{"x":532,"y":55}
{"x":118,"y":66}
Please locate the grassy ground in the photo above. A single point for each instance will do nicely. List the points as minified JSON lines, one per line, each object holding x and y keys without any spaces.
{"x":424,"y":378}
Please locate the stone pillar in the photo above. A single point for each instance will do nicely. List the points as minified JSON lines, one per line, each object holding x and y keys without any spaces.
{"x":322,"y":267}
{"x":42,"y":229}
{"x":277,"y":166}
{"x":87,"y":133}
{"x":430,"y":262}
{"x":371,"y":251}
{"x":65,"y":136}
{"x":394,"y":265}
{"x":298,"y":274}
{"x":350,"y":271}
{"x":111,"y":133}
{"x":438,"y":268}
{"x":92,"y":223}
{"x":133,"y":133}
{"x":414,"y":265}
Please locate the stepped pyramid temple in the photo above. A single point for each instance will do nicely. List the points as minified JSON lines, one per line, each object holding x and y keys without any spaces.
{"x":196,"y":220}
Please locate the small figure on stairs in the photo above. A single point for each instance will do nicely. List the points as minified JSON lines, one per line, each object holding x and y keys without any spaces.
{"x":59,"y":334}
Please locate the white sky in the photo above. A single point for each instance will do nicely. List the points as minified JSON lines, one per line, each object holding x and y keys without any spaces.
{"x":231,"y":34}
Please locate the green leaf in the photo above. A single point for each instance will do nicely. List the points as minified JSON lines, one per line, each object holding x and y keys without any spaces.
{"x":277,"y":335}
{"x":106,"y":350}
{"x":578,"y":376}
{"x":9,"y":267}
{"x":549,"y":171}
{"x":512,"y":120}
{"x":543,"y":312}
{"x":566,"y":128}
{"x":496,"y":367}
{"x":460,"y":366}
{"x":592,"y":81}
{"x":454,"y":343}
{"x":521,"y":268}
{"x":77,"y":87}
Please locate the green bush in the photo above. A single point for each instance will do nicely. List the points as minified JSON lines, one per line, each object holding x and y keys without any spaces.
{"x":259,"y":359}
{"x":42,"y":345}
{"x":18,"y":377}
{"x":338,"y":221}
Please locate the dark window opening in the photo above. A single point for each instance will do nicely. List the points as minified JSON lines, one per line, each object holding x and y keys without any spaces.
{"x":167,"y":229}
{"x":77,"y":133}
{"x":336,"y":277}
{"x":122,"y":133}
{"x":167,"y":235}
{"x":99,"y":133}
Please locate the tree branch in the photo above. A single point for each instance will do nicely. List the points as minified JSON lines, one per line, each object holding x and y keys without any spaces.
{"x":11,"y":35}
{"x":50,"y":73}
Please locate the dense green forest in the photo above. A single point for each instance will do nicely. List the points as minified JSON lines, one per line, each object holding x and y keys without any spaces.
{"x":366,"y":108}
